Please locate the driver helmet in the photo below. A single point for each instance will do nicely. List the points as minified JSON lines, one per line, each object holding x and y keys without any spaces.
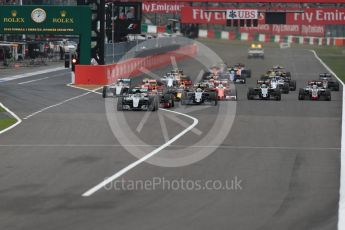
{"x":314,"y":86}
{"x":199,"y":90}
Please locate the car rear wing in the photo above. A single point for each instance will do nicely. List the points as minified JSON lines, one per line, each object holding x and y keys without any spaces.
{"x":325,"y":75}
{"x":277,"y":67}
{"x":261,"y":82}
{"x":186,"y":81}
{"x":319,"y":83}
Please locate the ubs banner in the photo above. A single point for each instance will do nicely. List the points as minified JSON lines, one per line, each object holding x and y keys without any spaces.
{"x":310,"y":23}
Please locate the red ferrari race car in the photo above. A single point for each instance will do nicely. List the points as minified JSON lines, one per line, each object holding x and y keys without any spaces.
{"x":152,"y":85}
{"x":224,"y":90}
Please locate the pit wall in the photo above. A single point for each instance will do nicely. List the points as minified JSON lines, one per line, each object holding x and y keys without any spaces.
{"x":225,"y":35}
{"x":107,"y":74}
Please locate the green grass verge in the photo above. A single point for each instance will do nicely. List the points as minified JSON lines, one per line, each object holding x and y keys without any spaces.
{"x":6,"y":121}
{"x":334,"y":57}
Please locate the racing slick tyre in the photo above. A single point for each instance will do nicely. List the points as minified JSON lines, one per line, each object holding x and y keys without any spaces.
{"x":336,"y":86}
{"x":153,"y":104}
{"x":183,"y":99}
{"x":168,"y":99}
{"x":288,"y":75}
{"x":292,"y":85}
{"x":328,"y":96}
{"x":215,"y":102}
{"x":247,"y":73}
{"x":278,"y":95}
{"x":286,"y":89}
{"x":214,"y":98}
{"x":119,"y":105}
{"x":263,"y":78}
{"x":301,"y":94}
{"x":104,"y":91}
{"x":250,"y":94}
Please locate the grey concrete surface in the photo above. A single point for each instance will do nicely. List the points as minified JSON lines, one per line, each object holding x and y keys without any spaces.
{"x":22,"y":69}
{"x":286,"y":153}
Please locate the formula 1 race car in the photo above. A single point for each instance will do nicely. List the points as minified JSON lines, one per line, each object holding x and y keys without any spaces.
{"x":279,"y":83}
{"x":329,"y":82}
{"x":166,"y":100}
{"x":236,"y":77}
{"x":242,"y":70}
{"x":116,"y":89}
{"x":138,"y":99}
{"x":169,"y":79}
{"x":224,"y":91}
{"x":272,"y":73}
{"x":256,"y":51}
{"x":281,"y":71}
{"x":263,"y":92}
{"x":152,"y":85}
{"x":314,"y":91}
{"x":198,"y":96}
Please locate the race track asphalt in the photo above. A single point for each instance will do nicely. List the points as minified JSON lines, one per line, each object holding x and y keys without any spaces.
{"x":285,"y":155}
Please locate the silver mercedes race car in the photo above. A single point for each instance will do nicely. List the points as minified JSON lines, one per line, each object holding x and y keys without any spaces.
{"x":137,"y":99}
{"x":117,"y":88}
{"x":198,"y":96}
{"x":264,"y":92}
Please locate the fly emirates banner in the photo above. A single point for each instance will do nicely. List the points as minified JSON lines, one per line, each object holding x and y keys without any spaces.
{"x":310,"y":16}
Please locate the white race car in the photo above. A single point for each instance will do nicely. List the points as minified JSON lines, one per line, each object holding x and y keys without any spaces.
{"x":117,"y":88}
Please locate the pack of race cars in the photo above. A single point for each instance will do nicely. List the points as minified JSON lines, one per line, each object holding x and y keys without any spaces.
{"x":277,"y":81}
{"x":216,"y":84}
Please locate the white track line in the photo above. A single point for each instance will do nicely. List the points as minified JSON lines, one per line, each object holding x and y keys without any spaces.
{"x":63,"y":102}
{"x":12,"y":114}
{"x":26,"y":82}
{"x":175,"y":146}
{"x":143,"y":159}
{"x":341,"y":211}
{"x":43,"y":78}
{"x":55,"y":105}
{"x":89,"y":90}
{"x":25,"y":75}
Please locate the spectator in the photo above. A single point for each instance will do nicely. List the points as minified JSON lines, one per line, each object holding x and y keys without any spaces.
{"x":130,"y":13}
{"x":122,"y":14}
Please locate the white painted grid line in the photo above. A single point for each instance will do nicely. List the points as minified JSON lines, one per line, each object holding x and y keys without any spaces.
{"x":143,"y":159}
{"x":12,"y":114}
